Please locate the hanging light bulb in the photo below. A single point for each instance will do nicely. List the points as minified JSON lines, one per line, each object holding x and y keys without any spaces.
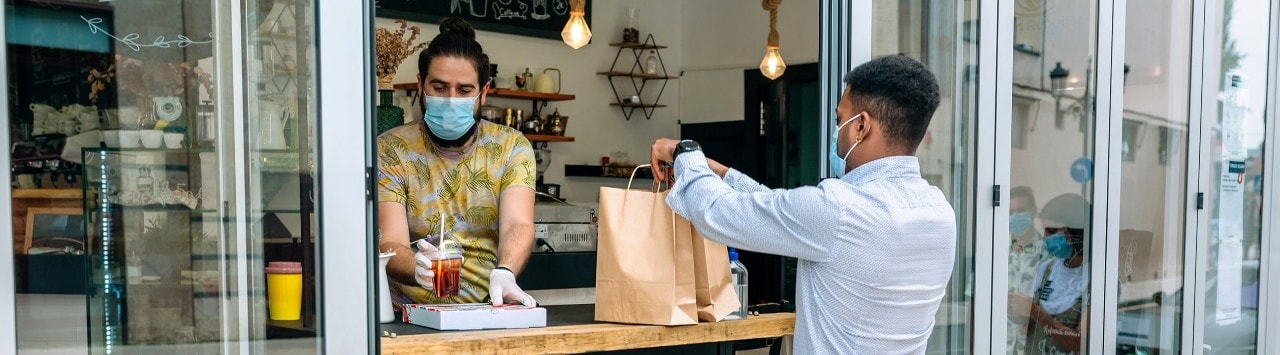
{"x":576,"y":33}
{"x":772,"y":66}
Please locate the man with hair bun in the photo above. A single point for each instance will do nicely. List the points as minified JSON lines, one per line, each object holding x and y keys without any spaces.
{"x":454,"y":175}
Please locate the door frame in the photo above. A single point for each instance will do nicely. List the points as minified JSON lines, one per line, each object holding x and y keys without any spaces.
{"x":344,"y":77}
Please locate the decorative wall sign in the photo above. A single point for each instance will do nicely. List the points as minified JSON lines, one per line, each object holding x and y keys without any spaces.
{"x":534,"y":18}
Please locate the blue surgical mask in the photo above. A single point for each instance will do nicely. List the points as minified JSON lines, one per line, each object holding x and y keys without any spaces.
{"x":835,"y":160}
{"x":1057,"y":246}
{"x":1019,"y":223}
{"x":450,"y":117}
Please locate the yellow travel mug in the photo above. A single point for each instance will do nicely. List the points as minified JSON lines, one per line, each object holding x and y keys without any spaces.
{"x":284,"y":290}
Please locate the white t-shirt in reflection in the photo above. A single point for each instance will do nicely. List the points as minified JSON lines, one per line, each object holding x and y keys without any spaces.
{"x":1063,"y":288}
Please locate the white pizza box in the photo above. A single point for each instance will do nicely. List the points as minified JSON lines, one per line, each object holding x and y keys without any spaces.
{"x":473,"y":316}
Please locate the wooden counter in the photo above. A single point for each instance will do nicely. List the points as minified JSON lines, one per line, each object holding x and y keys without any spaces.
{"x":579,"y":338}
{"x":29,"y":198}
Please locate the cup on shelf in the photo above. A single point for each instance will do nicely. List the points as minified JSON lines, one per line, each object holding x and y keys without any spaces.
{"x":151,"y":139}
{"x":173,"y":140}
{"x":128,"y":138}
{"x":111,"y":138}
{"x":284,"y":290}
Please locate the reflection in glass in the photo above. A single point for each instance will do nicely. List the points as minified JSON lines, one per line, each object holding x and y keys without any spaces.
{"x":1054,"y":65}
{"x":1153,"y":173}
{"x":944,"y":36}
{"x":1236,"y":68}
{"x":174,"y":237}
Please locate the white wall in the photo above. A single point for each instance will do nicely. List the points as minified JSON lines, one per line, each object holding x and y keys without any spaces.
{"x":598,"y":127}
{"x":724,"y":37}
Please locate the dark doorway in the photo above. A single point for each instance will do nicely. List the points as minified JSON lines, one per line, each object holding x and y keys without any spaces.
{"x":777,"y":144}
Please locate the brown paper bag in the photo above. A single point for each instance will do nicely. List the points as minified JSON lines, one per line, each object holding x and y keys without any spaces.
{"x":643,"y":266}
{"x":712,"y":279}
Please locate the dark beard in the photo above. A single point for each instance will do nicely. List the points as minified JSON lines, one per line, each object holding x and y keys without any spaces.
{"x":451,"y":143}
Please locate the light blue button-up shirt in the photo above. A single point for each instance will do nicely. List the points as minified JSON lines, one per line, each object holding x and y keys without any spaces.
{"x":876,"y":247}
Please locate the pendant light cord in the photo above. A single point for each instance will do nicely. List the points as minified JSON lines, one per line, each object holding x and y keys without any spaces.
{"x":772,"y":7}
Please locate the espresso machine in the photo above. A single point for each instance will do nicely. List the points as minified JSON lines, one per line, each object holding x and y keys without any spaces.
{"x":546,"y":192}
{"x":37,"y":163}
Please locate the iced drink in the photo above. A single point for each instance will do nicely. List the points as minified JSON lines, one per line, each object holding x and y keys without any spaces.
{"x":448,"y":270}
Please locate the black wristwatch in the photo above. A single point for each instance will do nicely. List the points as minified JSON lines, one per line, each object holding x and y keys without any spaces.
{"x":685,"y":146}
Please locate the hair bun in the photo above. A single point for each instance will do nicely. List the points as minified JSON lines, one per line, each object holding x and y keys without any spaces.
{"x":458,"y":26}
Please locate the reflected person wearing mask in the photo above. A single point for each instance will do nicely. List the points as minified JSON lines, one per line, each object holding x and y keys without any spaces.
{"x":1055,"y":306}
{"x":876,"y":246}
{"x":453,"y":180}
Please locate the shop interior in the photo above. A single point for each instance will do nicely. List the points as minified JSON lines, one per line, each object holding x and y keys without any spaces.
{"x":82,"y":162}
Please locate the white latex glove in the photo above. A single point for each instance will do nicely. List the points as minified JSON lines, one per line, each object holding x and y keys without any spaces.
{"x":502,"y":287}
{"x":422,"y":270}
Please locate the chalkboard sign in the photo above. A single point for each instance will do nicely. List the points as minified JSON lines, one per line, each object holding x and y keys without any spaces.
{"x":534,"y":18}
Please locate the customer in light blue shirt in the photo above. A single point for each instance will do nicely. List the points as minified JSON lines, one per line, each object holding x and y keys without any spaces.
{"x":876,"y":246}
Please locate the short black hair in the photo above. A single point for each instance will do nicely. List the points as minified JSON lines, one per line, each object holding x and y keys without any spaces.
{"x":1027,"y":193}
{"x":900,"y":92}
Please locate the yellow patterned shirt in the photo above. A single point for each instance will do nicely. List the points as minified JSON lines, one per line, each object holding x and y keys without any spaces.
{"x":464,"y":190}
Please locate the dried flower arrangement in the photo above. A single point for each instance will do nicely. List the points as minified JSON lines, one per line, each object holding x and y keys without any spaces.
{"x":392,"y":49}
{"x":138,"y":82}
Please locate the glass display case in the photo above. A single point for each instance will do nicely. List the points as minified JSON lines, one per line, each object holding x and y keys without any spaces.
{"x":193,"y":192}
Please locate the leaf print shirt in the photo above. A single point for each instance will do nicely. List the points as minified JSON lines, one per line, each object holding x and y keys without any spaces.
{"x":464,"y":190}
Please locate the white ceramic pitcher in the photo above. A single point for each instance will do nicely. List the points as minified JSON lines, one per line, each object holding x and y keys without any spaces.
{"x":271,"y":120}
{"x":386,"y":314}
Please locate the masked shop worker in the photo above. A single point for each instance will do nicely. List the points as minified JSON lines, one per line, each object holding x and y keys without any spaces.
{"x":876,"y":246}
{"x":476,"y":175}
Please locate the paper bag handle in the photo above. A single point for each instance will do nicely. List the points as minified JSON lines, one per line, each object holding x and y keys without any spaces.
{"x":656,"y":185}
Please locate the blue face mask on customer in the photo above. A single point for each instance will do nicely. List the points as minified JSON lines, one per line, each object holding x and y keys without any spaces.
{"x":1019,"y":223}
{"x":450,"y":117}
{"x":834,"y":160}
{"x":1057,"y":246}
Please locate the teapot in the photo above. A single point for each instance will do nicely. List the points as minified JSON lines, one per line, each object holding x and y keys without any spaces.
{"x":544,"y":84}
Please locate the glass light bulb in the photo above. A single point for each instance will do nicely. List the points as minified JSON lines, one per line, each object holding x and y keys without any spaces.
{"x":772,"y":66}
{"x":576,"y":33}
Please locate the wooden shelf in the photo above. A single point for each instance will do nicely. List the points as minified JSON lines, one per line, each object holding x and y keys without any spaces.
{"x":505,"y":93}
{"x":547,"y":138}
{"x":636,"y":45}
{"x":529,"y":95}
{"x":68,"y":194}
{"x":637,"y":105}
{"x":624,"y":172}
{"x":637,"y":75}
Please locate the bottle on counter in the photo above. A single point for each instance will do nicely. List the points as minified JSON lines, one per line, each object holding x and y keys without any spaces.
{"x":739,"y":272}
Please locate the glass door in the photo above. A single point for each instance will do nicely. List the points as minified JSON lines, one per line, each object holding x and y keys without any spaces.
{"x":1154,"y":130}
{"x":944,"y":36}
{"x":1053,"y":119}
{"x":1235,"y":85}
{"x":185,"y":138}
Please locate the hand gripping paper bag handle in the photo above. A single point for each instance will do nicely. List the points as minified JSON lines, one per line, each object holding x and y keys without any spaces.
{"x":643,"y":265}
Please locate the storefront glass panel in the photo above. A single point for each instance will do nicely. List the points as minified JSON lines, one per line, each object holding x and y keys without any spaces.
{"x":1236,"y":71}
{"x":1053,"y":118}
{"x":1153,"y":172}
{"x":944,"y":36}
{"x":166,"y":165}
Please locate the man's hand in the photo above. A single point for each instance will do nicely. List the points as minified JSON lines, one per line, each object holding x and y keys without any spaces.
{"x":659,"y":154}
{"x":503,"y":288}
{"x":422,"y":269}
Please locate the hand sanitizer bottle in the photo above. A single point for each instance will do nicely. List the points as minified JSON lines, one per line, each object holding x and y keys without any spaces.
{"x":739,"y":272}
